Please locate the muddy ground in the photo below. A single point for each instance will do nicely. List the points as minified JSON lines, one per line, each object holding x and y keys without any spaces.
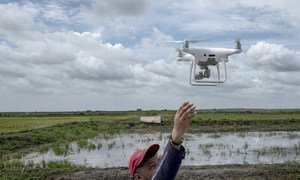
{"x":275,"y":171}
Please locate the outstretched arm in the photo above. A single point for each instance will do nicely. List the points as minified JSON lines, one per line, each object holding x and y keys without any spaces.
{"x":173,"y":154}
{"x":182,"y":117}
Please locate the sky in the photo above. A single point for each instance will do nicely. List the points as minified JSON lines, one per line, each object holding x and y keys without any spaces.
{"x":71,"y":55}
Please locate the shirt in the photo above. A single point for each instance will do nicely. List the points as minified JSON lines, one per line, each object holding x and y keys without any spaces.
{"x":169,"y":163}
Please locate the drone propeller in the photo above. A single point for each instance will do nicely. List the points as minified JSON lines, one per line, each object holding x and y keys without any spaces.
{"x":190,"y":41}
{"x":175,"y":41}
{"x":186,"y":42}
{"x":197,"y":40}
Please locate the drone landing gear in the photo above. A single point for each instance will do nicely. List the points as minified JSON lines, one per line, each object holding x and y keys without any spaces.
{"x":196,"y":79}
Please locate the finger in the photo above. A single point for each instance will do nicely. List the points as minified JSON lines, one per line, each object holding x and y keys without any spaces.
{"x":182,"y":105}
{"x":184,"y":109}
{"x":190,"y":110}
{"x":191,"y":115}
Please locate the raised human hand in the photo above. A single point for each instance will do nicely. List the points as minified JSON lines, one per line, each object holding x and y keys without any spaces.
{"x":181,"y":119}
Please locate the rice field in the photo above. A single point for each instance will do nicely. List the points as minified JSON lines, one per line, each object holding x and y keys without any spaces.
{"x":24,"y":133}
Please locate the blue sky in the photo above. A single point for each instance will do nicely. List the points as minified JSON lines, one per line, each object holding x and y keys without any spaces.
{"x":113,"y":55}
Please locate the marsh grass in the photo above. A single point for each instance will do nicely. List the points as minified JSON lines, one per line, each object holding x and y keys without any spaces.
{"x":56,"y":135}
{"x":242,"y":134}
{"x":82,"y":143}
{"x":86,"y":144}
{"x":205,"y":149}
{"x":297,"y":149}
{"x":99,"y":146}
{"x":15,"y":169}
{"x":292,"y":136}
{"x":222,"y":146}
{"x":122,"y":145}
{"x":17,"y":155}
{"x":60,"y":149}
{"x":239,"y":151}
{"x":271,"y":150}
{"x":245,"y":146}
{"x":111,"y":145}
{"x":215,"y":136}
{"x":223,"y":154}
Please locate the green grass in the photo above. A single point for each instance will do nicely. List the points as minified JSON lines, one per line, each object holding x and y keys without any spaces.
{"x":84,"y":144}
{"x":53,"y":131}
{"x":57,"y":135}
{"x":44,"y":170}
{"x":17,"y":124}
{"x":246,"y":121}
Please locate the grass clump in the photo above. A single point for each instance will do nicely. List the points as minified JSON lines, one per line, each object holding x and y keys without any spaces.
{"x":60,"y":149}
{"x":85,"y":144}
{"x":271,"y":150}
{"x":56,"y":135}
{"x":45,"y":170}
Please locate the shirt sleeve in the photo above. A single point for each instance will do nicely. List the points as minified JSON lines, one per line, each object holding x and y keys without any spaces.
{"x":169,"y":163}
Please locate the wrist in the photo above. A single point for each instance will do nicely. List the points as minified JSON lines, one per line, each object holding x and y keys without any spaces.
{"x":177,"y":141}
{"x":175,"y":136}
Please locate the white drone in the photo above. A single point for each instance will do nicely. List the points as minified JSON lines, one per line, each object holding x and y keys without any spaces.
{"x":205,"y":57}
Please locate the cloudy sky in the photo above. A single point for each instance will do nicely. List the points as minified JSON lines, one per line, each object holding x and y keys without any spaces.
{"x":67,"y":55}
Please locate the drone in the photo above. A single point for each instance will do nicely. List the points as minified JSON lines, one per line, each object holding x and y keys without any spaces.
{"x":206,"y":58}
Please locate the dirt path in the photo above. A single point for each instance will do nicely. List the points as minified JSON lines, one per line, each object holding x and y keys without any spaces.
{"x":277,"y":171}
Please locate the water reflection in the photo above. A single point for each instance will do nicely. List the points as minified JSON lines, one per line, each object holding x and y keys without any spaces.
{"x":201,"y":149}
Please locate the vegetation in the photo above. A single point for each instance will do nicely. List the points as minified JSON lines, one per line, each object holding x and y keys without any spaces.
{"x":21,"y":133}
{"x":55,"y":130}
{"x":45,"y":170}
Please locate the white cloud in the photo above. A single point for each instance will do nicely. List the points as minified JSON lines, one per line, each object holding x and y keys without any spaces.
{"x":63,"y":62}
{"x":41,"y":55}
{"x":112,"y":13}
{"x":119,"y":7}
{"x":273,"y":57}
{"x":15,"y":18}
{"x":241,"y":17}
{"x":276,"y":69}
{"x":62,"y":56}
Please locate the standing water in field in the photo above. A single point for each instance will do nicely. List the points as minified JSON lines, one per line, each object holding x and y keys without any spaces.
{"x":201,"y":149}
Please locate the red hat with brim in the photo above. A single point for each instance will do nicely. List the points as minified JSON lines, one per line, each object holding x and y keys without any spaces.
{"x":138,"y":156}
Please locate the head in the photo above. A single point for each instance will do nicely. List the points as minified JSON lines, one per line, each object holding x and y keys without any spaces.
{"x":143,"y":162}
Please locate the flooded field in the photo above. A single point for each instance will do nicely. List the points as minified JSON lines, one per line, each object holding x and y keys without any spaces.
{"x":201,"y":149}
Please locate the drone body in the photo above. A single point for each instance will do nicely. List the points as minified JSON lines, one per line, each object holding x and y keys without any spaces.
{"x":205,"y":58}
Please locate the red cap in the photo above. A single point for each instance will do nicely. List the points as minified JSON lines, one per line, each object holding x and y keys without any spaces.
{"x":137,"y":157}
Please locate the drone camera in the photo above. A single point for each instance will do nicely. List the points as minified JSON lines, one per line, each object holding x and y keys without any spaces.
{"x":203,"y":74}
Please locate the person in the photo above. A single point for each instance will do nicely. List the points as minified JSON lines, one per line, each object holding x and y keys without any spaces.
{"x":144,"y":163}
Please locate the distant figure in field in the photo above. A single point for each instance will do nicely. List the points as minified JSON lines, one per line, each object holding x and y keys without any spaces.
{"x":144,"y":163}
